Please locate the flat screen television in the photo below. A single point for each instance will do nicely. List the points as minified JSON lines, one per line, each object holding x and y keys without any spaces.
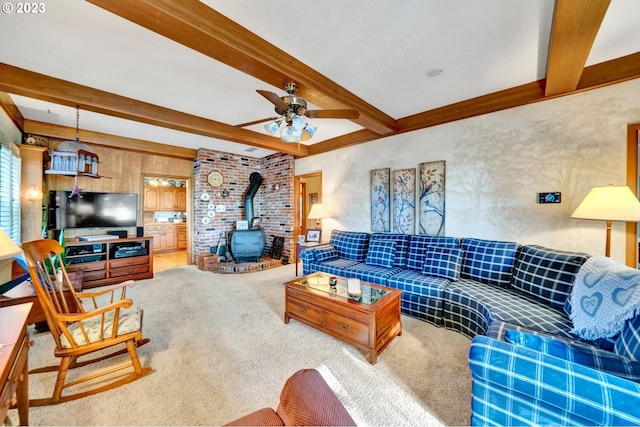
{"x":91,"y":210}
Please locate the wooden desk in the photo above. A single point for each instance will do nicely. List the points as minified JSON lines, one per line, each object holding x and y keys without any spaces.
{"x":14,"y":365}
{"x":25,"y":293}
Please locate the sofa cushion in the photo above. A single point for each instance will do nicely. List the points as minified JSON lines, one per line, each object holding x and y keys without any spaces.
{"x":350,"y":245}
{"x":582,"y":354}
{"x":498,"y":329}
{"x":335,"y":266}
{"x":547,"y":274}
{"x":381,"y":253}
{"x":325,"y":253}
{"x":419,"y":244}
{"x":443,"y":262}
{"x":421,"y":295}
{"x":370,"y":273}
{"x":488,"y":261}
{"x":628,"y":344}
{"x":471,"y":308}
{"x":402,"y":246}
{"x":97,"y":327}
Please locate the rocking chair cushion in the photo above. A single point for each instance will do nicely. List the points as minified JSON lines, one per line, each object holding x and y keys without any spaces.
{"x":130,"y":320}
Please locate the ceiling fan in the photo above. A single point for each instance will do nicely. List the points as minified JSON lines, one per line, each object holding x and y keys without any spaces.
{"x":293,"y":111}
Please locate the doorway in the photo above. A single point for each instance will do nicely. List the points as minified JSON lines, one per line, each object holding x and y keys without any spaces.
{"x":633,"y":177}
{"x":167,"y":210}
{"x":308,"y":190}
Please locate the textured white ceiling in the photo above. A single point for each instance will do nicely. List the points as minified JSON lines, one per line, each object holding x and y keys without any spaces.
{"x":380,"y":50}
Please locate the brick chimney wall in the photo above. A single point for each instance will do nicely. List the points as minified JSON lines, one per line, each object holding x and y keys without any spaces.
{"x":275,"y":207}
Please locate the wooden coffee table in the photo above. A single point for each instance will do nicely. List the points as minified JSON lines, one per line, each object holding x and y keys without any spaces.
{"x":369,"y":324}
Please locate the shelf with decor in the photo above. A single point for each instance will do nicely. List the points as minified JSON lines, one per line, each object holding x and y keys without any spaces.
{"x":70,"y":163}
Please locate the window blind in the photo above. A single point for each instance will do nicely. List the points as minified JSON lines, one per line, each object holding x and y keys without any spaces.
{"x":10,"y":193}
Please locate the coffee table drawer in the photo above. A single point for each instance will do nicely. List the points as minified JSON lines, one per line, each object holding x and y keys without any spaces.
{"x":349,"y":313}
{"x":306,"y":296}
{"x":304,"y":310}
{"x":346,"y":327}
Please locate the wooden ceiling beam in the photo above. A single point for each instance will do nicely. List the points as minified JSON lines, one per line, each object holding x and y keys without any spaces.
{"x":609,"y":72}
{"x":197,"y":26}
{"x":110,"y":141}
{"x":575,"y":26}
{"x":501,"y":100}
{"x":595,"y":76}
{"x":12,"y":110}
{"x":353,"y":138}
{"x":39,"y":86}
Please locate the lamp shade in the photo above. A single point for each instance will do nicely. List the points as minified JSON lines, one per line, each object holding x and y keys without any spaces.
{"x":318,"y":211}
{"x":610,"y":203}
{"x":8,"y":251}
{"x":8,"y":248}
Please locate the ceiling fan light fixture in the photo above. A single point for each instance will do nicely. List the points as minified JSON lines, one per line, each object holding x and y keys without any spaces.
{"x":290,"y":134}
{"x":272,"y":127}
{"x":298,"y":122}
{"x":310,"y":130}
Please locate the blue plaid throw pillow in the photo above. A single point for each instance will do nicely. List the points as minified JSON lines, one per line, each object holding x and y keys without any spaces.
{"x":381,"y":253}
{"x":488,"y":261}
{"x":351,"y":245}
{"x":327,"y":253}
{"x":443,"y":262}
{"x":547,"y":274}
{"x":418,"y":245}
{"x":628,"y":344}
{"x":402,"y":246}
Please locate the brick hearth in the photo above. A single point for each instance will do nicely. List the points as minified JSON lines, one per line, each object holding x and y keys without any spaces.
{"x":248,"y":267}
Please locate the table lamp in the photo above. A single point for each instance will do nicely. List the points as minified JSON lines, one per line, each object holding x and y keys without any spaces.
{"x":8,"y":251}
{"x":317,"y":212}
{"x":610,"y":203}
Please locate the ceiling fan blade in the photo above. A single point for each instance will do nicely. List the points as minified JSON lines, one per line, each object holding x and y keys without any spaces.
{"x":274,"y":99}
{"x":255,"y":122}
{"x":333,"y":114}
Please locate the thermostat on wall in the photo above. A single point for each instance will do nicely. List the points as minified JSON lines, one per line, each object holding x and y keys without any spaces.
{"x":549,"y":197}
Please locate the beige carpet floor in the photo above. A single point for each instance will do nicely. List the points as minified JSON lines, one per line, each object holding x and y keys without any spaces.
{"x":219,"y":349}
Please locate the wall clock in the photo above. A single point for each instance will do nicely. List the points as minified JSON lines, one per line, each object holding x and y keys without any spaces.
{"x":215,"y":179}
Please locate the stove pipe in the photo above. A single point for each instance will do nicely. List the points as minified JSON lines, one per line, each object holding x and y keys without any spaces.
{"x":255,"y":180}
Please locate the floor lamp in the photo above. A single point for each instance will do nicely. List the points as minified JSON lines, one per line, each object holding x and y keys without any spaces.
{"x":610,"y":203}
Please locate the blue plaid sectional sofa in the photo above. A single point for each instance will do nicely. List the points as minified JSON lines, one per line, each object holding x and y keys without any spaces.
{"x":512,"y":300}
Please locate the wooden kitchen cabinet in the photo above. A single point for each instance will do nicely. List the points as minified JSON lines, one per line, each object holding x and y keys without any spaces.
{"x":165,"y":198}
{"x":165,"y":236}
{"x":151,"y":198}
{"x":181,"y":199}
{"x":168,"y":199}
{"x":182,"y":236}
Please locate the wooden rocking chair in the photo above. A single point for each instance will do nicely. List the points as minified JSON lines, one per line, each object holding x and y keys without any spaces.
{"x":80,"y":330}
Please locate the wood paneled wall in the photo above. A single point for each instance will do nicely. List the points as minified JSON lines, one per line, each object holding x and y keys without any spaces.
{"x":122,"y":172}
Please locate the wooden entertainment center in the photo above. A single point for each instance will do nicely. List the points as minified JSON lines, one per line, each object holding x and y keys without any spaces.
{"x":108,"y":261}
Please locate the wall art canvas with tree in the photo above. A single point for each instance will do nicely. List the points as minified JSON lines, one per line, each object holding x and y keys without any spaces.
{"x":404,"y":201}
{"x":431,"y":202}
{"x":380,"y":212}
